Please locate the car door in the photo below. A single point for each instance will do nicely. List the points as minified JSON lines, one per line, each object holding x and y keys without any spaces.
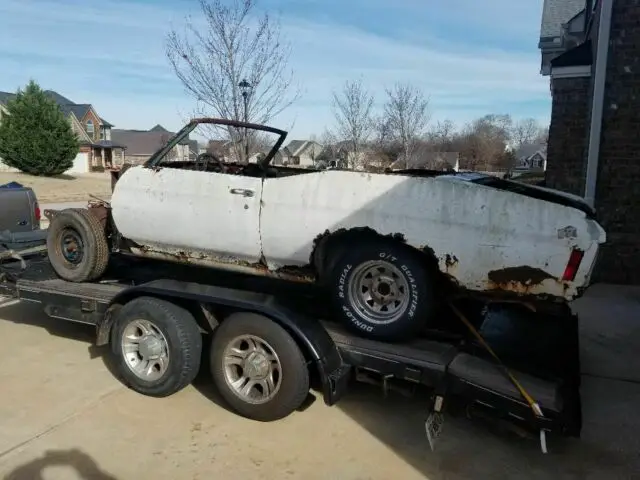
{"x":201,"y":215}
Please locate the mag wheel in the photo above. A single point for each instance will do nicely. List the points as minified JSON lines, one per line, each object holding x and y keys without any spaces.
{"x":258,"y":367}
{"x":157,"y":346}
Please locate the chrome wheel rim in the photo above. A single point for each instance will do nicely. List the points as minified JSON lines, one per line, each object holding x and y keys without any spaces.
{"x":145,"y":350}
{"x":252,"y":369}
{"x":379,"y":291}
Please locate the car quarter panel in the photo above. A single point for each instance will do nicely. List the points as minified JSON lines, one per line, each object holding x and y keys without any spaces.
{"x":191,"y":215}
{"x":484,"y":238}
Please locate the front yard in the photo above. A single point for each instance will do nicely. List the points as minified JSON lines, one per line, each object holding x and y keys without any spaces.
{"x":64,"y":188}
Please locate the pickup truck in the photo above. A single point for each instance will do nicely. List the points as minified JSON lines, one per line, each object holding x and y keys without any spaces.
{"x":19,"y":209}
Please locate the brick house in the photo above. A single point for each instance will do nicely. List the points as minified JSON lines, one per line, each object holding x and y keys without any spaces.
{"x":594,"y":140}
{"x":97,"y":150}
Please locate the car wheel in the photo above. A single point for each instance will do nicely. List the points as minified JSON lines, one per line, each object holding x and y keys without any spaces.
{"x":258,"y":367}
{"x":157,"y":346}
{"x":381,"y":289}
{"x":77,"y":245}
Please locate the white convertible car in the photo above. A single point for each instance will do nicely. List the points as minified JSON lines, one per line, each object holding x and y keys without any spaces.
{"x":388,"y":247}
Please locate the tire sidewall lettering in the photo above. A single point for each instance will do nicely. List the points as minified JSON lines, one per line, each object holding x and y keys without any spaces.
{"x":410,"y":277}
{"x":343,"y":280}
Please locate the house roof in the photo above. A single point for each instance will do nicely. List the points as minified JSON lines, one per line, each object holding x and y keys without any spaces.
{"x":146,"y":142}
{"x":139,"y":142}
{"x":105,"y":144}
{"x":528,"y":149}
{"x":5,"y":97}
{"x":557,"y":12}
{"x":105,"y":123}
{"x":159,"y":128}
{"x":295,"y":145}
{"x":66,"y":105}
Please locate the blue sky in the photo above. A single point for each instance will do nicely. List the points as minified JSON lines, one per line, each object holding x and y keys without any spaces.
{"x":470,"y":57}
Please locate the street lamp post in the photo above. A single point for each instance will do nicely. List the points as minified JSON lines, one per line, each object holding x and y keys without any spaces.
{"x":245,"y":89}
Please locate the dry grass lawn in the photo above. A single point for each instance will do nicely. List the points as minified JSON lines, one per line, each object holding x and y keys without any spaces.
{"x":64,"y":188}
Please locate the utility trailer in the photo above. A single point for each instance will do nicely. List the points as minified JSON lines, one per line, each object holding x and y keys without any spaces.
{"x":269,"y":349}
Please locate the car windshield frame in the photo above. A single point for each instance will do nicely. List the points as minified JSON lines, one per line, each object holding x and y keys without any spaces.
{"x":184,"y":132}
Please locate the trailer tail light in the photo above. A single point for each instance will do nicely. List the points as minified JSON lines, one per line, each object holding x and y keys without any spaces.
{"x":573,"y":265}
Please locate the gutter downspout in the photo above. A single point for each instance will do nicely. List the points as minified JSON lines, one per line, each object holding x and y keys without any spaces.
{"x":597,"y":105}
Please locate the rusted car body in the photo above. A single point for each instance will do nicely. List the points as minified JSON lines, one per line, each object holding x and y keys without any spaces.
{"x":486,"y":234}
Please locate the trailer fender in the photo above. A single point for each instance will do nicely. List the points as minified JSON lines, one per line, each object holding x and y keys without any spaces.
{"x":309,"y":333}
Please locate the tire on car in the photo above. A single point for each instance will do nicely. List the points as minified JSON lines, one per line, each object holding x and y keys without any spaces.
{"x":156,"y":346}
{"x":258,"y":367}
{"x":382,"y":289}
{"x":77,"y":245}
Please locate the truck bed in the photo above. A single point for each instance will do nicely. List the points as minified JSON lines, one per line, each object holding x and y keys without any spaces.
{"x":455,"y":367}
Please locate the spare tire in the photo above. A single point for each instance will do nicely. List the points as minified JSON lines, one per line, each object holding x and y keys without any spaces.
{"x":77,"y":245}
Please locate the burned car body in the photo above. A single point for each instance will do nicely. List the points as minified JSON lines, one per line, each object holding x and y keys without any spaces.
{"x":384,"y":244}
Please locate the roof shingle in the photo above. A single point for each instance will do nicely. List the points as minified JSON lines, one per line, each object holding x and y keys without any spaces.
{"x":66,"y":105}
{"x":557,"y":12}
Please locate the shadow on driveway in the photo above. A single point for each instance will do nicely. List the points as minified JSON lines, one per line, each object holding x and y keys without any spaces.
{"x":470,"y":449}
{"x":86,"y":467}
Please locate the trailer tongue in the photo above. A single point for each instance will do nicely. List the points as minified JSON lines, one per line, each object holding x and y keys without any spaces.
{"x":456,"y":371}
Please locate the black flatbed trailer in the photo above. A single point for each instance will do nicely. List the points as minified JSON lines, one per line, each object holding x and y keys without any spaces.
{"x":458,"y":373}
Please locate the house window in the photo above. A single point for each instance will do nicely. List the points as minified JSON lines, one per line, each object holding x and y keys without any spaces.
{"x":102,"y":134}
{"x":90,"y":127}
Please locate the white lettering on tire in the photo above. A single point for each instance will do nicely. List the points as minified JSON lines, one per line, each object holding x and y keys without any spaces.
{"x":358,"y":323}
{"x":387,"y":256}
{"x":343,"y":280}
{"x":414,"y":290}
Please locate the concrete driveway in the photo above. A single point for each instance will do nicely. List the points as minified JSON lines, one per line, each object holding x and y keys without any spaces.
{"x":64,"y":416}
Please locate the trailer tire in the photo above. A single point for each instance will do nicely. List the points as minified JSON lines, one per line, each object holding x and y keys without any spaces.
{"x":355,"y":278}
{"x":164,"y":338}
{"x":77,"y":245}
{"x":271,"y":361}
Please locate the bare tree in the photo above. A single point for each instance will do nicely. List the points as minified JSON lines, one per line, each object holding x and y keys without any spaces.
{"x":484,"y":142}
{"x":384,"y":143}
{"x":526,"y":131}
{"x":235,"y":45}
{"x":352,"y":109}
{"x":407,"y":111}
{"x":441,"y":135}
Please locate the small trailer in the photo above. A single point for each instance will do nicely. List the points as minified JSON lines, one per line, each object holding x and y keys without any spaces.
{"x":271,"y":345}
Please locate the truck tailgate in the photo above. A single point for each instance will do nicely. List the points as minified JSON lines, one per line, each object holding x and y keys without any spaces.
{"x":17,"y":210}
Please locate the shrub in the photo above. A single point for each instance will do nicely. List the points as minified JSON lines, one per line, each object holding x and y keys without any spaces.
{"x":35,"y":136}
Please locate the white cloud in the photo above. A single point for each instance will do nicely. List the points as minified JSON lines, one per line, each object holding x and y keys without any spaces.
{"x":111,"y":54}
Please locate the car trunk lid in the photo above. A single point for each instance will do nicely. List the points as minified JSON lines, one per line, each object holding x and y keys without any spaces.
{"x":540,"y":193}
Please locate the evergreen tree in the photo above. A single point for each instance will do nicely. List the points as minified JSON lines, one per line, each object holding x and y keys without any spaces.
{"x":35,"y":136}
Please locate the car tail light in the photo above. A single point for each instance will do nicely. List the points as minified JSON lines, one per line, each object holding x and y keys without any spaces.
{"x":573,"y":265}
{"x":36,"y":212}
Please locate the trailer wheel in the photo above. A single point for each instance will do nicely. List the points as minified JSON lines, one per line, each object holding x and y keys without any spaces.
{"x":157,"y":346}
{"x":77,"y":245}
{"x":258,"y":368}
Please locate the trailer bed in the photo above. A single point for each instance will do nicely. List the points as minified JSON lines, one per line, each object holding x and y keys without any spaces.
{"x":457,"y":368}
